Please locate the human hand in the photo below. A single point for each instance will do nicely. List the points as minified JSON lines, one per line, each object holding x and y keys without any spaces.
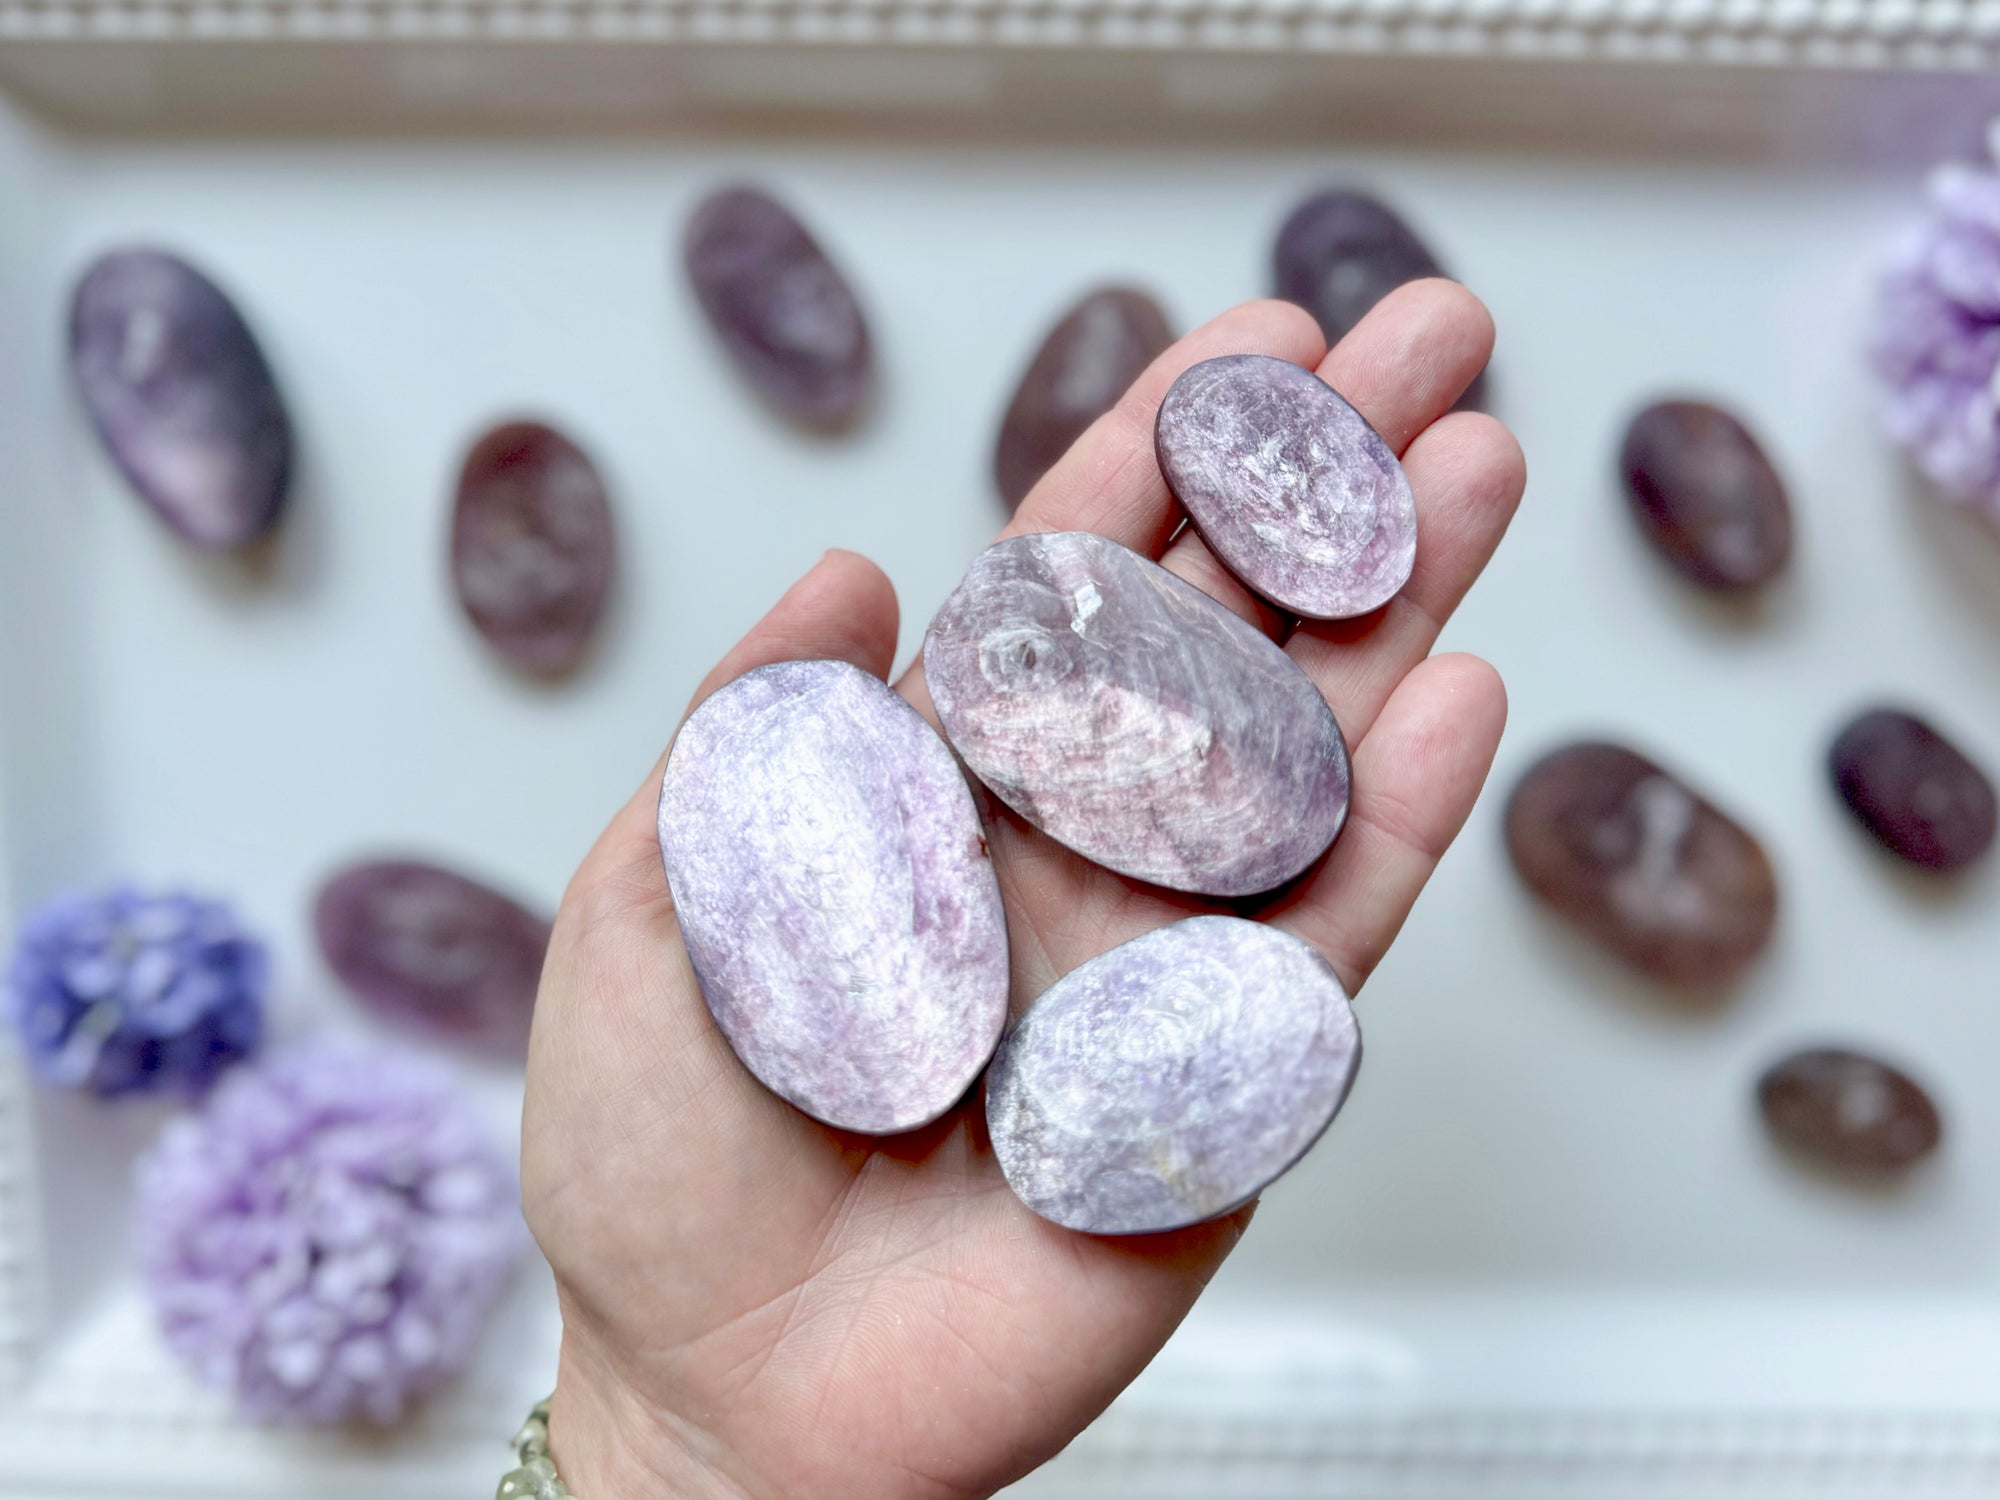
{"x":757,"y":1305}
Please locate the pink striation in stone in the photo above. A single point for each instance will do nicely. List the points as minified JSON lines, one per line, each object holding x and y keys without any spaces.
{"x":1289,"y":485}
{"x":531,"y":545}
{"x":1848,"y":1111}
{"x":1642,"y":864}
{"x":836,"y":895}
{"x":1706,"y":495}
{"x":1128,"y":715}
{"x":1914,"y":790}
{"x":179,"y":392}
{"x":1086,"y":363}
{"x":1173,"y":1078}
{"x":782,"y":309}
{"x":432,"y":949}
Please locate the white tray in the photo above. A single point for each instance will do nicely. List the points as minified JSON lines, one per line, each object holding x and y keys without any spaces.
{"x":1547,"y":1251}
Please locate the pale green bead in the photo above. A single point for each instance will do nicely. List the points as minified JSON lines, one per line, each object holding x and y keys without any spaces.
{"x":519,"y":1485}
{"x":533,"y":1438}
{"x":553,"y":1489}
{"x":541,"y":1411}
{"x":539,"y":1469}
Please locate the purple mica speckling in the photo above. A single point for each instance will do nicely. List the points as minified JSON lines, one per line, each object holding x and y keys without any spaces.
{"x":1290,"y":486}
{"x":1171,"y":1079}
{"x":781,"y":307}
{"x":429,"y":948}
{"x":1128,"y":715}
{"x":531,"y":545}
{"x":1706,"y":495}
{"x":835,"y":893}
{"x":1086,"y":363}
{"x":180,"y":394}
{"x":1914,"y":790}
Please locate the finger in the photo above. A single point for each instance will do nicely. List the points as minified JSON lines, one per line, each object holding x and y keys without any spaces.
{"x":1408,"y":361}
{"x":1468,"y":474}
{"x":1188,"y":557}
{"x":1109,"y":481}
{"x":1416,"y":776}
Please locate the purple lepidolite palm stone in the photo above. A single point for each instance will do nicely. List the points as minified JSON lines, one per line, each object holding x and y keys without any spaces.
{"x":835,"y":893}
{"x":1914,"y":790}
{"x":1849,"y":1111}
{"x":1173,"y":1078}
{"x":1290,"y":486}
{"x":1128,"y":715}
{"x":781,"y":307}
{"x":181,"y":396}
{"x":1706,"y":495}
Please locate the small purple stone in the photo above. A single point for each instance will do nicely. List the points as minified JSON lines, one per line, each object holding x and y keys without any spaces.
{"x":1128,"y":715}
{"x":1086,"y":363}
{"x":835,"y":894}
{"x":433,"y":950}
{"x":1706,"y":495}
{"x":179,"y":392}
{"x":532,"y":546}
{"x":1172,"y":1079}
{"x":1290,"y":486}
{"x":1914,"y":790}
{"x":783,"y":310}
{"x":1849,"y":1111}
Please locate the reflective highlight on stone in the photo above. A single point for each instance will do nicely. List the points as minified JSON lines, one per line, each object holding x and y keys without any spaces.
{"x":1706,"y":495}
{"x":835,"y":894}
{"x":1642,"y":863}
{"x":1087,"y":362}
{"x":1914,"y":790}
{"x":1173,"y":1078}
{"x":435,"y":950}
{"x":181,"y":397}
{"x":1294,"y":491}
{"x":531,"y":545}
{"x":1849,"y":1111}
{"x":782,"y":309}
{"x":1126,"y":714}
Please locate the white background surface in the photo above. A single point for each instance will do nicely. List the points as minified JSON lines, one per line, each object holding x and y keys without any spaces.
{"x":1549,"y":1194}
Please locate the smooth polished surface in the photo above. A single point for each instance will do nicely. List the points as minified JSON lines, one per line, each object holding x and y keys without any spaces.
{"x":1849,"y":1111}
{"x":1914,"y":790}
{"x":1706,"y":495}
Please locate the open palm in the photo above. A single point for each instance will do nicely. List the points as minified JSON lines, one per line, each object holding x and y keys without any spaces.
{"x":756,"y":1304}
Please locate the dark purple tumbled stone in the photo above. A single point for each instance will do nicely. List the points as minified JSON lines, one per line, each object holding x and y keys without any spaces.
{"x":1849,"y":1111}
{"x":835,"y":894}
{"x":433,"y":949}
{"x":1642,"y":863}
{"x":781,"y":307}
{"x":1173,"y":1078}
{"x":1289,"y":485}
{"x":1086,"y":363}
{"x":1914,"y":790}
{"x":1128,"y":715}
{"x":181,"y":396}
{"x":1340,"y":252}
{"x":531,"y":545}
{"x":1706,"y":495}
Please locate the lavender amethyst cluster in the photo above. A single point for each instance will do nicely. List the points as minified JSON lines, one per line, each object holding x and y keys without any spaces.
{"x":1937,"y":340}
{"x":127,"y":993}
{"x":327,"y":1238}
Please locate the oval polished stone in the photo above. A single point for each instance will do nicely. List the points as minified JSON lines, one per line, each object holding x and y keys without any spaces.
{"x":1128,"y":715}
{"x":433,"y":949}
{"x":1171,"y":1079}
{"x":1705,"y":494}
{"x":531,"y":545}
{"x":1086,"y":363}
{"x":181,"y":397}
{"x":836,"y":895}
{"x":1290,"y":486}
{"x":782,"y":309}
{"x":1642,"y":863}
{"x":1849,"y":1111}
{"x":1340,"y":252}
{"x":1914,"y":790}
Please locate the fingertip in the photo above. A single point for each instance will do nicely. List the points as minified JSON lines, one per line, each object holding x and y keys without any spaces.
{"x":1410,"y":359}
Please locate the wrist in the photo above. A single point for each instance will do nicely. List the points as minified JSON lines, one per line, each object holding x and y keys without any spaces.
{"x":608,"y":1443}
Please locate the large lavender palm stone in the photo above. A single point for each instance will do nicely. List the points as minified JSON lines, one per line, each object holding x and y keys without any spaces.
{"x":1128,"y":715}
{"x":1290,"y":486}
{"x":1171,"y":1079}
{"x":835,"y":894}
{"x":782,"y":308}
{"x":181,"y":396}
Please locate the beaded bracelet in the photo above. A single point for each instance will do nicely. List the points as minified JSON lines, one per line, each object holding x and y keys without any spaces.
{"x":534,"y":1477}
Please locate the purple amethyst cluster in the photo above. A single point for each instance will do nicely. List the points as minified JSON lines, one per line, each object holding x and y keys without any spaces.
{"x":1937,"y":339}
{"x":128,"y":993}
{"x":328,"y":1236}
